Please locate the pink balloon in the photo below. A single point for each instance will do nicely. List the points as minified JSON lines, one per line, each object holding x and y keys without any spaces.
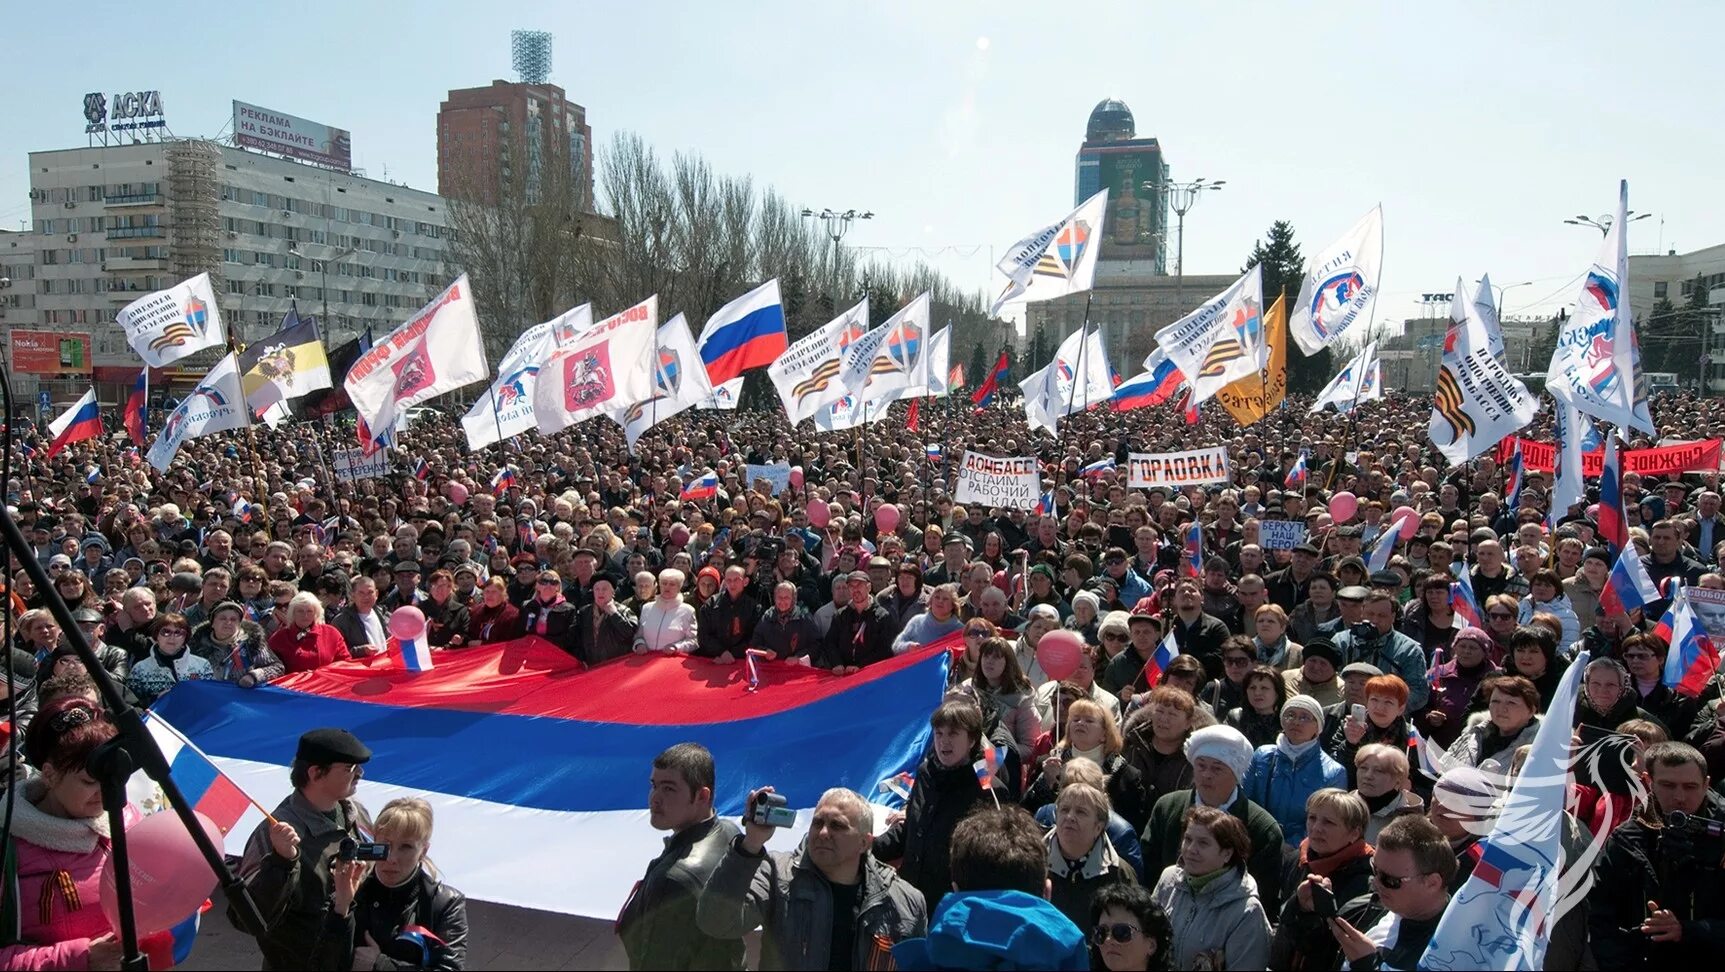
{"x":819,"y":514}
{"x":796,"y":477}
{"x":457,"y":494}
{"x":1059,"y":652}
{"x":1407,"y":523}
{"x":169,"y":877}
{"x":886,"y":518}
{"x":1343,"y":506}
{"x":407,"y":623}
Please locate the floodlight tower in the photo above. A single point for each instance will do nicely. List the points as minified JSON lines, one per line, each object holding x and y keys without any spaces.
{"x":530,"y":51}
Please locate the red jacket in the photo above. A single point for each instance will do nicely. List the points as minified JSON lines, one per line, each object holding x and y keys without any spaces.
{"x":313,"y":647}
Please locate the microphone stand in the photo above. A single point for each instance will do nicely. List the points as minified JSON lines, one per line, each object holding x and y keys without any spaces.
{"x":114,"y":761}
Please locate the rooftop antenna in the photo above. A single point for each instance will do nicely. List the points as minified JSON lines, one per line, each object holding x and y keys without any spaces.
{"x":530,"y":51}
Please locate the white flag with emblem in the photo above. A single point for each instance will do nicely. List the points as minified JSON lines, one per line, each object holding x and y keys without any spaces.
{"x":1220,"y":342}
{"x":1053,"y":261}
{"x":679,"y":382}
{"x":889,"y":358}
{"x":217,"y":404}
{"x":1340,"y":285}
{"x":1478,"y":401}
{"x":506,"y":408}
{"x":604,"y":370}
{"x":806,"y":376}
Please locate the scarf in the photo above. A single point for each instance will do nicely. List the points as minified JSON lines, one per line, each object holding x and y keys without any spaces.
{"x":1292,"y":750}
{"x":1382,"y":800}
{"x":1096,"y":755}
{"x":1275,"y":655}
{"x":1198,"y":882}
{"x":1329,"y":863}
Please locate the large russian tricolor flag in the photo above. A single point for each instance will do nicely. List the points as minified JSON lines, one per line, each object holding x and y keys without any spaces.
{"x":82,"y":421}
{"x":527,"y":758}
{"x":747,"y":333}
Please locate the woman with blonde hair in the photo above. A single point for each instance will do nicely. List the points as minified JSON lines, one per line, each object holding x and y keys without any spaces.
{"x":1081,"y":858}
{"x":1091,"y":732}
{"x":403,"y":911}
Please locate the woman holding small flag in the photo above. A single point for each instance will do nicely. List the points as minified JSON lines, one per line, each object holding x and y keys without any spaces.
{"x":1092,"y":733}
{"x":948,"y":786}
{"x":1455,"y":681}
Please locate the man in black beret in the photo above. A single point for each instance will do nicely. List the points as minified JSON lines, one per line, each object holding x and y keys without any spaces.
{"x":290,"y":865}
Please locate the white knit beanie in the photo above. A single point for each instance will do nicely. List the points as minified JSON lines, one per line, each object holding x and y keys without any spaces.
{"x":1225,"y":744}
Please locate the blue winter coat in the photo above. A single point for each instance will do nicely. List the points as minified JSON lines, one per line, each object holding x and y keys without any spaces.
{"x":1282,"y":786}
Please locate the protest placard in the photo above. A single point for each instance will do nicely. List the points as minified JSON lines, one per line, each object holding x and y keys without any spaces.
{"x":1281,"y":534}
{"x":351,"y":464}
{"x":1011,"y":483}
{"x":1190,"y":468}
{"x":778,"y":474}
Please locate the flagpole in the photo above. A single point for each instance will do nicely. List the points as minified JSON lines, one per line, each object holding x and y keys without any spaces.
{"x":1083,"y":339}
{"x":251,"y":438}
{"x":1359,"y":380}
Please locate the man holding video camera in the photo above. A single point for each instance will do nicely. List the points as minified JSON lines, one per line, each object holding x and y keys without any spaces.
{"x":827,"y":905}
{"x":317,"y":844}
{"x":1658,"y":893}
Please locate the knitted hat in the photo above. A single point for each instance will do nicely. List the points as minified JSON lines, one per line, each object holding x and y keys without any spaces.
{"x":1307,"y":704}
{"x":1471,"y":633}
{"x":1225,"y":744}
{"x":1085,"y":596}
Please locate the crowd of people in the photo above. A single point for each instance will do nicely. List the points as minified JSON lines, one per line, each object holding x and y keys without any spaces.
{"x":1251,"y":806}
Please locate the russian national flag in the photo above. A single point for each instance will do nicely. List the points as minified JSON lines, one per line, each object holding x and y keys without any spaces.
{"x":82,"y":421}
{"x":1296,"y":477}
{"x":1045,"y":505}
{"x":935,"y":452}
{"x":136,"y":415}
{"x":988,"y":765}
{"x":243,"y":509}
{"x":1425,"y":755}
{"x":1382,"y":550}
{"x":421,"y":469}
{"x":205,"y":787}
{"x":1097,"y":468}
{"x":504,"y":479}
{"x":1693,"y":659}
{"x":997,"y":375}
{"x":1153,"y":386}
{"x":415,"y":653}
{"x":1516,"y":478}
{"x":1463,"y":602}
{"x":1192,"y":559}
{"x":92,"y":474}
{"x":749,"y":332}
{"x":1612,"y":527}
{"x":704,"y":488}
{"x":27,"y":450}
{"x":1627,"y":586}
{"x":1166,"y":651}
{"x":554,"y":756}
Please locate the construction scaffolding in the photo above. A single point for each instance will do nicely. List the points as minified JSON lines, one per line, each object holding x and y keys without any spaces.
{"x":195,"y":243}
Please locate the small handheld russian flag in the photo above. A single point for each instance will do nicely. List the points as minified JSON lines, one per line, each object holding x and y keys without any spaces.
{"x":208,"y":790}
{"x":1627,"y":587}
{"x":704,"y":488}
{"x":504,"y":479}
{"x":94,"y":474}
{"x":934,"y":451}
{"x":986,"y":767}
{"x":422,"y":469}
{"x":1517,"y":477}
{"x":1463,"y":601}
{"x":751,"y":665}
{"x":1097,"y":468}
{"x":1166,"y":651}
{"x":1693,"y":658}
{"x":243,"y":509}
{"x":1297,"y":475}
{"x":1192,"y":562}
{"x":1045,"y":505}
{"x":415,"y":653}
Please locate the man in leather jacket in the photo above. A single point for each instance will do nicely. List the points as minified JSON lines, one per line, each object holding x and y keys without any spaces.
{"x":657,"y":923}
{"x":288,"y":865}
{"x":828,"y":905}
{"x":1658,"y":898}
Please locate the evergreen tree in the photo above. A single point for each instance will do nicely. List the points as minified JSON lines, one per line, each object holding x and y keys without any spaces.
{"x":1040,"y":352}
{"x":978,"y":367}
{"x":1283,"y":267}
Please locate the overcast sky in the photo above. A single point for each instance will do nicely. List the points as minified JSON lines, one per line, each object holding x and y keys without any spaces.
{"x":1479,"y":126}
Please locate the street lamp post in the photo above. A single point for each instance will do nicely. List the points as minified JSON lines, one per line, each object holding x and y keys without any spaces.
{"x":836,"y":224}
{"x":1603,"y":222}
{"x":1182,"y":196}
{"x":1504,"y":290}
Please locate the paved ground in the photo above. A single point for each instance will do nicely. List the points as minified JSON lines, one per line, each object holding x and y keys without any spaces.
{"x":501,"y":937}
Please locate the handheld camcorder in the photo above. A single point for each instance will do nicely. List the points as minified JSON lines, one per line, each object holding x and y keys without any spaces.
{"x":771,"y":811}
